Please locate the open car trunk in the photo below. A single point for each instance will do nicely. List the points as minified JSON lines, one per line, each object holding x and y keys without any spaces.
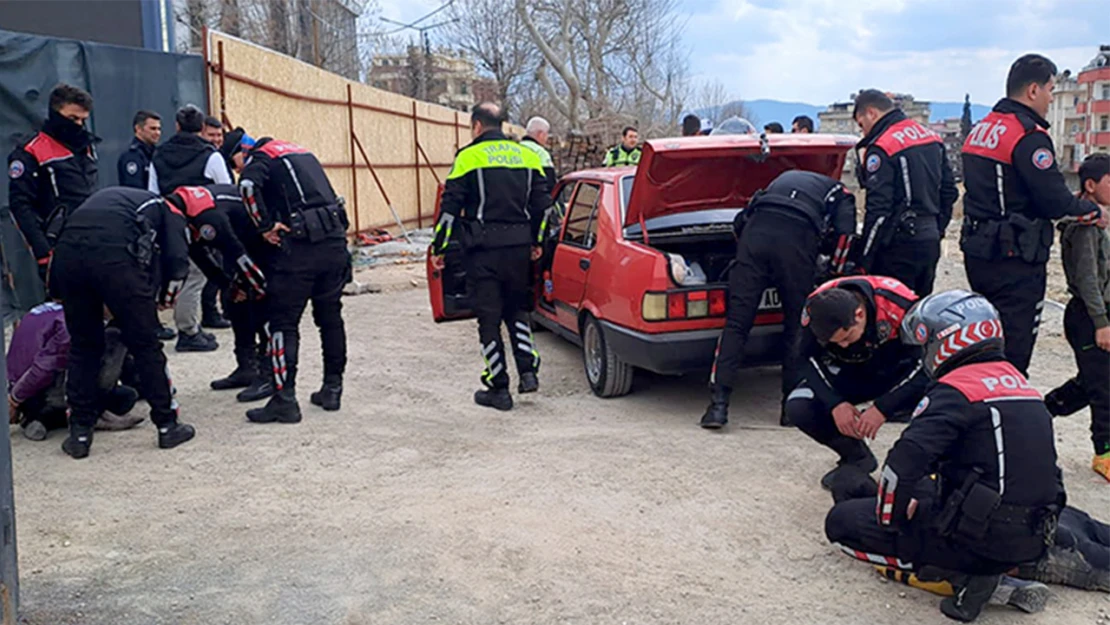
{"x":703,"y":239}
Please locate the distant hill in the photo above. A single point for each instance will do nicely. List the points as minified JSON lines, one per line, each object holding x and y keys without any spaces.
{"x":766,"y":111}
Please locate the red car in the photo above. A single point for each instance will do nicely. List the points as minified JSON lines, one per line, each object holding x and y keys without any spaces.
{"x":637,"y":272}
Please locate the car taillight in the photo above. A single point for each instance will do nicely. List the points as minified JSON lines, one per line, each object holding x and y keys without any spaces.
{"x":676,"y":305}
{"x":697,"y":304}
{"x":654,"y":307}
{"x":717,"y":303}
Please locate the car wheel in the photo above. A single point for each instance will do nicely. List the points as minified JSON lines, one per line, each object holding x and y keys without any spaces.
{"x":608,"y":375}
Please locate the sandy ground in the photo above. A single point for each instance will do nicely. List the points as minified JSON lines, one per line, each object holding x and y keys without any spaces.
{"x":412,"y":505}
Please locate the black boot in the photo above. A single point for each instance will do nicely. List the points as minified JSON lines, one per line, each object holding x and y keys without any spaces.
{"x":214,"y":320}
{"x":971,"y":597}
{"x":852,"y":453}
{"x":78,"y":443}
{"x":245,"y":372}
{"x":262,"y":386}
{"x":329,"y":394}
{"x":282,"y":408}
{"x":173,"y":434}
{"x":498,"y":398}
{"x":1066,"y":399}
{"x":529,"y":383}
{"x":716,"y":415}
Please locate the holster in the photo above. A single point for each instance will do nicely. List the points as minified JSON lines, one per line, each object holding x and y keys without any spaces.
{"x":945,"y":522}
{"x":1015,"y":237}
{"x":144,"y":248}
{"x":906,"y":224}
{"x":318,"y":224}
{"x":1032,"y":238}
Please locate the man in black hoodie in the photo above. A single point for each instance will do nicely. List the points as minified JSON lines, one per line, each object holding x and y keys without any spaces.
{"x":188,"y":160}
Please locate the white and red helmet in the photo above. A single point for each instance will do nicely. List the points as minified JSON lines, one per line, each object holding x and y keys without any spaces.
{"x":952,"y":326}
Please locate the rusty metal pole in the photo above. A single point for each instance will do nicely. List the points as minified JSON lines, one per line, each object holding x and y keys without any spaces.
{"x":9,"y":558}
{"x":354,"y":167}
{"x":416,"y":167}
{"x":223,"y":89}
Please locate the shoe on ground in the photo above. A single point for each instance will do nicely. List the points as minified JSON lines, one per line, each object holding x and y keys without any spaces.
{"x":114,"y":423}
{"x":1067,"y":567}
{"x":328,"y":397}
{"x":208,"y":335}
{"x":258,"y":390}
{"x":121,"y":399}
{"x":529,"y":383}
{"x":174,"y":434}
{"x":494,"y":398}
{"x":866,"y":464}
{"x":716,"y":415}
{"x":78,"y":443}
{"x":167,"y":334}
{"x":34,"y":431}
{"x":242,"y":377}
{"x":215,"y":322}
{"x":1101,"y":465}
{"x":196,"y":343}
{"x":970,"y":598}
{"x":282,"y":408}
{"x":1029,"y":597}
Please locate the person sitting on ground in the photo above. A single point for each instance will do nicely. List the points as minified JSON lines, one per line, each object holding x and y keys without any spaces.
{"x":37,"y":362}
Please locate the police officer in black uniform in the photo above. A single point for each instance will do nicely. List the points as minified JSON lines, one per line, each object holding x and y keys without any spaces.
{"x":53,"y":173}
{"x":289,"y":198}
{"x":778,"y":234}
{"x":493,"y":202}
{"x":106,"y":257}
{"x":910,"y":192}
{"x":1014,"y":190}
{"x":133,"y":167}
{"x":986,"y":434}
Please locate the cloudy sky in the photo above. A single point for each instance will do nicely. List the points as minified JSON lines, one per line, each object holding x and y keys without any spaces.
{"x":818,"y":51}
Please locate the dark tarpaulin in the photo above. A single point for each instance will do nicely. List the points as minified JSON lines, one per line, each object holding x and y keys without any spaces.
{"x":121,"y":80}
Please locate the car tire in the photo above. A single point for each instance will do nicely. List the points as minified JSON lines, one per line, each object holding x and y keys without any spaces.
{"x":607,"y":374}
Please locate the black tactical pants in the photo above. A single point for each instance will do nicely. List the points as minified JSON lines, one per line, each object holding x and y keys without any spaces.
{"x":500,"y":292}
{"x":777,"y":251}
{"x":1094,"y":370}
{"x":1016,"y":289}
{"x":88,"y":278}
{"x":911,"y":262}
{"x":306,"y":271}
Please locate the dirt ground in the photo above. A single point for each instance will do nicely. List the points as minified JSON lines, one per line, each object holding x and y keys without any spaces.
{"x":412,"y":505}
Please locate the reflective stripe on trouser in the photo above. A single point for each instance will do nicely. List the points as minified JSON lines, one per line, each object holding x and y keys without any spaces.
{"x":493,"y":354}
{"x":277,"y":357}
{"x":524,"y":345}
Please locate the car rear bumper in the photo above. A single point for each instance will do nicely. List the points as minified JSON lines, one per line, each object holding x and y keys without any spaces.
{"x":683,"y":352}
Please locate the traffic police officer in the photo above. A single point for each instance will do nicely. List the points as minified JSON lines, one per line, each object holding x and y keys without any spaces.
{"x":910,"y":192}
{"x":289,"y":198}
{"x":986,"y":434}
{"x":107,"y":256}
{"x":1014,"y":190}
{"x":53,"y":173}
{"x":625,"y":153}
{"x":538,"y":130}
{"x":493,"y":202}
{"x":851,"y":354}
{"x":133,"y":166}
{"x":779,"y":235}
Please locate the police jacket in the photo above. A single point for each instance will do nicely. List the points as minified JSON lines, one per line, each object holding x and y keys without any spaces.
{"x":1011,"y":178}
{"x":880,"y":353}
{"x":187,"y":160}
{"x":495,"y":196}
{"x":545,"y":160}
{"x":987,"y":434}
{"x":48,"y":177}
{"x":910,"y":187}
{"x":283,"y":182}
{"x":121,"y":220}
{"x":207,"y":210}
{"x":620,"y":156}
{"x":133,"y":167}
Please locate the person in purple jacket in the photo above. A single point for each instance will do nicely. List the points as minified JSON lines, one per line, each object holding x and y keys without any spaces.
{"x":37,"y":361}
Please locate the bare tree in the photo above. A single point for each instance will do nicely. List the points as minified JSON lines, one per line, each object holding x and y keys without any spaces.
{"x":493,"y":34}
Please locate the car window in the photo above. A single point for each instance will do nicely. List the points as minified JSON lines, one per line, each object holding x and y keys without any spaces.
{"x":563,"y":197}
{"x":626,"y":193}
{"x":581,"y":228}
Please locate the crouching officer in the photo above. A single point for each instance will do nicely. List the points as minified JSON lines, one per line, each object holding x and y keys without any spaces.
{"x":987,"y":435}
{"x":849,"y":355}
{"x":107,"y":256}
{"x":493,"y":201}
{"x":218,"y":222}
{"x":289,"y":198}
{"x":779,"y":235}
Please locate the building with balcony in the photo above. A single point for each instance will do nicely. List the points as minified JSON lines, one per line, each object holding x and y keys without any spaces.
{"x":838,"y":119}
{"x":1067,"y":123}
{"x":1094,"y":103}
{"x":949,"y":131}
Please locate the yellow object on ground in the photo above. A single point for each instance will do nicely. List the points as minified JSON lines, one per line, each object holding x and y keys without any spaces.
{"x":1101,"y":465}
{"x":941,"y":588}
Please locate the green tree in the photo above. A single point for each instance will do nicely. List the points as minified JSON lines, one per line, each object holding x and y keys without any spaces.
{"x":965,"y":121}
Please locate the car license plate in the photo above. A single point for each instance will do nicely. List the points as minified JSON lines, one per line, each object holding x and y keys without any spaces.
{"x":770,"y":300}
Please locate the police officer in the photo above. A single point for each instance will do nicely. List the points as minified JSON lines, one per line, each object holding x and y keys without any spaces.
{"x":218,"y":222}
{"x":851,"y":354}
{"x":625,"y":153}
{"x":289,"y":198}
{"x":53,"y":173}
{"x":493,"y":202}
{"x":539,"y":131}
{"x":779,"y":234}
{"x":106,"y":257}
{"x":910,"y":192}
{"x":987,"y":435}
{"x":133,"y":167}
{"x":1013,"y":191}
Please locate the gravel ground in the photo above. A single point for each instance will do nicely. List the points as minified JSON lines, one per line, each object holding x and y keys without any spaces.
{"x":412,"y":505}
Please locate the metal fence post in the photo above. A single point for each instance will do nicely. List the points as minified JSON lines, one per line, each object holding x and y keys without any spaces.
{"x":9,"y":560}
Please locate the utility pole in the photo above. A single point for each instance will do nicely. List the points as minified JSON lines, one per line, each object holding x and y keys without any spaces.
{"x":426,"y":64}
{"x":9,"y":560}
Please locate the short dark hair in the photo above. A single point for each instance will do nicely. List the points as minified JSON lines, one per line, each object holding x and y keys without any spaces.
{"x":830,"y":311}
{"x":773,"y":127}
{"x":487,"y":114}
{"x":803,"y":122}
{"x":190,"y":119}
{"x":624,"y":133}
{"x":1029,"y":69}
{"x":141,"y":117}
{"x":691,"y":125}
{"x":1094,"y":167}
{"x":212,"y":122}
{"x":872,"y":98}
{"x":64,"y":94}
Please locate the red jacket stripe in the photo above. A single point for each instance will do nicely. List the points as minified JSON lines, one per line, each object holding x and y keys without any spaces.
{"x":47,"y":149}
{"x":990,"y":381}
{"x":904,"y":135}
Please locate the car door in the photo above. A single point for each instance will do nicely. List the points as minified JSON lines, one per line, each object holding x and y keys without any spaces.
{"x":574,"y":253}
{"x":447,"y":287}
